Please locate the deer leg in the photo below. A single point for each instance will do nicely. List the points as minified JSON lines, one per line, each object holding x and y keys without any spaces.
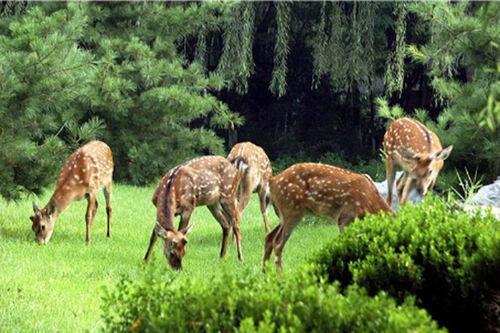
{"x":185,"y":217}
{"x":244,"y":194}
{"x":217,"y":213}
{"x":89,"y":216}
{"x":400,"y":183}
{"x":269,"y":244}
{"x":152,"y":242}
{"x":390,"y":173}
{"x":406,"y":190}
{"x":289,"y":223}
{"x":344,"y":219}
{"x":265,"y":201}
{"x":109,"y":210}
{"x":232,"y":214}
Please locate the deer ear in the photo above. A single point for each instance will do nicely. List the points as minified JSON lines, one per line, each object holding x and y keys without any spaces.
{"x":443,"y":154}
{"x":186,"y":230}
{"x":408,"y":154}
{"x":36,"y":209}
{"x":161,"y":232}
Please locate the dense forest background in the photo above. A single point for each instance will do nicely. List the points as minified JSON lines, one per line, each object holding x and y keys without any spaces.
{"x":317,"y":81}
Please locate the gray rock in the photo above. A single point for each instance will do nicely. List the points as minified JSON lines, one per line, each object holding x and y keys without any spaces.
{"x":488,"y":195}
{"x":414,"y":196}
{"x":472,"y":209}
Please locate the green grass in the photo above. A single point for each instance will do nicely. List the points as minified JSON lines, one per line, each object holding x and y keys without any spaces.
{"x":58,"y":287}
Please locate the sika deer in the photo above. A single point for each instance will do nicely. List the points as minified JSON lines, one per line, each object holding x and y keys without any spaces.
{"x":411,"y":146}
{"x":322,"y":190}
{"x":205,"y":181}
{"x":86,"y":171}
{"x":255,"y":170}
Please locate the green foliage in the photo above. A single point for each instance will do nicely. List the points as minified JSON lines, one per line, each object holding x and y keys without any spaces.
{"x":73,"y":72}
{"x":249,"y":301}
{"x":236,"y":62}
{"x":385,"y":111}
{"x":395,"y":63}
{"x":448,"y":260}
{"x":462,"y":58}
{"x":343,"y":46}
{"x":468,"y":186}
{"x":281,"y":49}
{"x":42,"y":76}
{"x":157,"y":106}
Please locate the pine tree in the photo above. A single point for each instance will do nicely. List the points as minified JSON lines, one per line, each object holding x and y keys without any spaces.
{"x":462,"y":56}
{"x":42,"y":74}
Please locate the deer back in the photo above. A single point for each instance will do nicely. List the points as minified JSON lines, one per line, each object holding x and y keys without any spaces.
{"x":325,"y":190}
{"x":201,"y":181}
{"x":85,"y":171}
{"x":256,"y":167}
{"x":410,"y":134}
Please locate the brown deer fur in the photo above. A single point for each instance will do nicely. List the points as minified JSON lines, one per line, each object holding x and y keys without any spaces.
{"x":87,"y":170}
{"x":255,"y":170}
{"x":415,"y":149}
{"x":322,"y":190}
{"x":210,"y":181}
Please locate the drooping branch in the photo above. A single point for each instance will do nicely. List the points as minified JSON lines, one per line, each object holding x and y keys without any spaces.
{"x":395,"y":64}
{"x":281,"y":49}
{"x":236,"y":63}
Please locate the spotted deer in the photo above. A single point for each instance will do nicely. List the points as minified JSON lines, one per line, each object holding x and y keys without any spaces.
{"x":210,"y":181}
{"x":86,"y":171}
{"x":415,"y":149}
{"x":322,"y":190}
{"x":255,"y":170}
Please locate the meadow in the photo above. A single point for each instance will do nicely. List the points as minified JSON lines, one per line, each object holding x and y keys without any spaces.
{"x":59,"y":287}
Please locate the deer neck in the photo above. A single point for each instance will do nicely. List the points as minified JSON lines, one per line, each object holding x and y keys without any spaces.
{"x":166,"y":214}
{"x":60,"y":200}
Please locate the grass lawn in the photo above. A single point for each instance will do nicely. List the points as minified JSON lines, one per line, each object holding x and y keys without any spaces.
{"x":58,"y":287}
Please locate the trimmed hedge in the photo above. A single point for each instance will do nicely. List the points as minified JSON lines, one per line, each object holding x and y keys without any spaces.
{"x":447,"y":259}
{"x":253,"y":302}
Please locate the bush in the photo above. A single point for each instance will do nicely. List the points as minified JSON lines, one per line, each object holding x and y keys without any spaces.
{"x":448,"y":260}
{"x":253,"y":302}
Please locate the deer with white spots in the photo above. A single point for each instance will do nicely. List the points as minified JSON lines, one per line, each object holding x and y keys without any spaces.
{"x":415,"y":149}
{"x":210,"y":181}
{"x":255,"y":170}
{"x":86,"y":171}
{"x":323,"y":190}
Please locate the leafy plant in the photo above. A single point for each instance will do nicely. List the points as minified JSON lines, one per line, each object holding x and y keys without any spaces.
{"x":248,"y":301}
{"x":447,"y":259}
{"x":468,"y":185}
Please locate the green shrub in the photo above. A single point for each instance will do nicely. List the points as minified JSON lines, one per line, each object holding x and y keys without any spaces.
{"x":248,"y":301}
{"x":447,"y":259}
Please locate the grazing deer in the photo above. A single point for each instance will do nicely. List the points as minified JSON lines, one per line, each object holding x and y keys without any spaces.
{"x":210,"y":181}
{"x":86,"y":171}
{"x":320,"y":189}
{"x":255,"y":170}
{"x":415,"y":149}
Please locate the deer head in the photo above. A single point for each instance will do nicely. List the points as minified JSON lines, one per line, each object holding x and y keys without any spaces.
{"x":174,"y":243}
{"x":422,"y":167}
{"x":43,"y":223}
